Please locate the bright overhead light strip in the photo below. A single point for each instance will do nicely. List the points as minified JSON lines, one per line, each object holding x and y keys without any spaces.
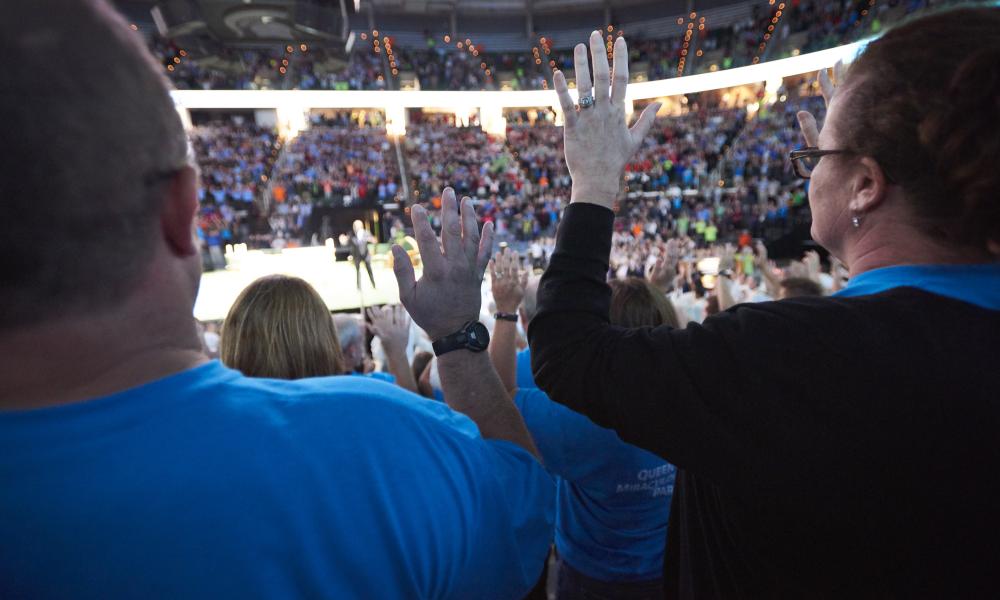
{"x":689,"y":84}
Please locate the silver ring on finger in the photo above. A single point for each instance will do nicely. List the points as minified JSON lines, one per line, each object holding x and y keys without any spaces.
{"x":586,"y":101}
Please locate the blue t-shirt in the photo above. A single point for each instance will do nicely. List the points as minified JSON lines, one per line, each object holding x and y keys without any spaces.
{"x":525,"y":379}
{"x":209,"y":484}
{"x":613,"y":499}
{"x":378,"y":375}
{"x":975,"y":284}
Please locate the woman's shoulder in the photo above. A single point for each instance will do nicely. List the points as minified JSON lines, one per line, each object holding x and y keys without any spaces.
{"x":889,"y":313}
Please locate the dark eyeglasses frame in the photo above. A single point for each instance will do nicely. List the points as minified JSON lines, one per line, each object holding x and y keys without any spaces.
{"x":810,"y":152}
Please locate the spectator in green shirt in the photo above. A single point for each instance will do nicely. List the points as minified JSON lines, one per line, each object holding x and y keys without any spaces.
{"x":711,"y":233}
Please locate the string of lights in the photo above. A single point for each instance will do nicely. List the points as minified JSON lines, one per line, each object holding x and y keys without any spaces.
{"x":775,"y":17}
{"x":377,"y":48}
{"x":686,"y":45}
{"x":174,"y":61}
{"x":393,"y":67}
{"x":546,"y":47}
{"x":468,"y":46}
{"x":701,"y":28}
{"x":170,"y":62}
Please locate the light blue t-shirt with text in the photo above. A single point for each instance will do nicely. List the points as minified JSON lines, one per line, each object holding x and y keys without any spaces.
{"x":613,"y":498}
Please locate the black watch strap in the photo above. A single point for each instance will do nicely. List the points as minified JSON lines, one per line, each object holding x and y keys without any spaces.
{"x":502,"y":316}
{"x":472,"y":336}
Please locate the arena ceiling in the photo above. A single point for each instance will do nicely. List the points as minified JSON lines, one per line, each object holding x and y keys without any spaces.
{"x":215,"y":12}
{"x":206,"y":26}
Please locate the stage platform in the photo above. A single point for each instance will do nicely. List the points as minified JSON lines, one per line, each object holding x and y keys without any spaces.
{"x":335,"y":281}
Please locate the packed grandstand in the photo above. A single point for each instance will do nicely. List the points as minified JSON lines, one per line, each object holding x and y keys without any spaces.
{"x":713,"y":161}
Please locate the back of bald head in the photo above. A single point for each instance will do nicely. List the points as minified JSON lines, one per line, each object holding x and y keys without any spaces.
{"x":90,"y":143}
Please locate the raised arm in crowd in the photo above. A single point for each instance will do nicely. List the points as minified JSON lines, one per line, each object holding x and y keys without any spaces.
{"x":827,"y":447}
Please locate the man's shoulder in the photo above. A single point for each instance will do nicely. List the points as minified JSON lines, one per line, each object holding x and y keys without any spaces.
{"x":339,"y":403}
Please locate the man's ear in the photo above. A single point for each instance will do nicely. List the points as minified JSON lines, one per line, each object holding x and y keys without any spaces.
{"x":870,"y":187}
{"x":177,"y":218}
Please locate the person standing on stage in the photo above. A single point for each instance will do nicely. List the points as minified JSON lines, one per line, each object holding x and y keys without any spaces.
{"x":359,"y":251}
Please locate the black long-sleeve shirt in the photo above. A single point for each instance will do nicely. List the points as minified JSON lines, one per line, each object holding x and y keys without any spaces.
{"x":828,"y":447}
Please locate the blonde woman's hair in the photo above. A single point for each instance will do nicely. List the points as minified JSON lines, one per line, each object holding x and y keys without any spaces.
{"x":636,"y":303}
{"x":280,"y":328}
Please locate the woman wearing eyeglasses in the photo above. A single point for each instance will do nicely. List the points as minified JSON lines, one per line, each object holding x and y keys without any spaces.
{"x":846,"y":446}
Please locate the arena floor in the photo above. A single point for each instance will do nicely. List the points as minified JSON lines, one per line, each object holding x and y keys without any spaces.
{"x":335,"y":281}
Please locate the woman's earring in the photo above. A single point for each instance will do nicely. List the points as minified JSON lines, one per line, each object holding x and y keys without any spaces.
{"x":856,"y":221}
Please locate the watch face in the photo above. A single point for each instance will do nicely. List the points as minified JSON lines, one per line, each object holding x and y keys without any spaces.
{"x":478,"y":337}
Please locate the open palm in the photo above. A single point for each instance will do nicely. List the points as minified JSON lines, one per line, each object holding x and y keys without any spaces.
{"x":448,"y":294}
{"x":598,"y":140}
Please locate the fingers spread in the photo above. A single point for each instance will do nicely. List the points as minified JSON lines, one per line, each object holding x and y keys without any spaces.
{"x":485,"y":247}
{"x":430,"y":249}
{"x":602,"y":72}
{"x":583,"y":84}
{"x":825,"y":85}
{"x":620,"y":81}
{"x":643,"y":125}
{"x":470,"y":230}
{"x":451,"y":227}
{"x":839,"y":70}
{"x":565,"y":100}
{"x":510,"y":264}
{"x":403,"y":269}
{"x":810,"y":131}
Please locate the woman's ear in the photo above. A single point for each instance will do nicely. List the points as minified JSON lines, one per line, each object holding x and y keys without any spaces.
{"x":870,"y":186}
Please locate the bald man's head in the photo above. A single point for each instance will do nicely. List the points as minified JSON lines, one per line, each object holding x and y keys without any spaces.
{"x":91,"y":142}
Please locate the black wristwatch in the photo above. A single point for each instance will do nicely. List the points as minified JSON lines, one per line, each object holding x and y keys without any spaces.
{"x":502,"y":316}
{"x":472,"y":336}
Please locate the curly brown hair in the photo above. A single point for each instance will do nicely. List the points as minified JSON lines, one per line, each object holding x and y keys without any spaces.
{"x":925,"y":104}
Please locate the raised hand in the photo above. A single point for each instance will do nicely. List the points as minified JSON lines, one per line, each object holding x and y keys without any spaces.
{"x":509,"y":281}
{"x":391,"y":324}
{"x":727,"y":258}
{"x":837,"y":268}
{"x":760,"y":260}
{"x":662,"y":274}
{"x":598,"y":141}
{"x":675,"y":249}
{"x":797,"y":268}
{"x":807,"y":122}
{"x":448,"y":294}
{"x":812,"y":262}
{"x":839,"y":273}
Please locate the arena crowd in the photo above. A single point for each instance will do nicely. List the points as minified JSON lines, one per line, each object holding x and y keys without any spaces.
{"x":629,"y":394}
